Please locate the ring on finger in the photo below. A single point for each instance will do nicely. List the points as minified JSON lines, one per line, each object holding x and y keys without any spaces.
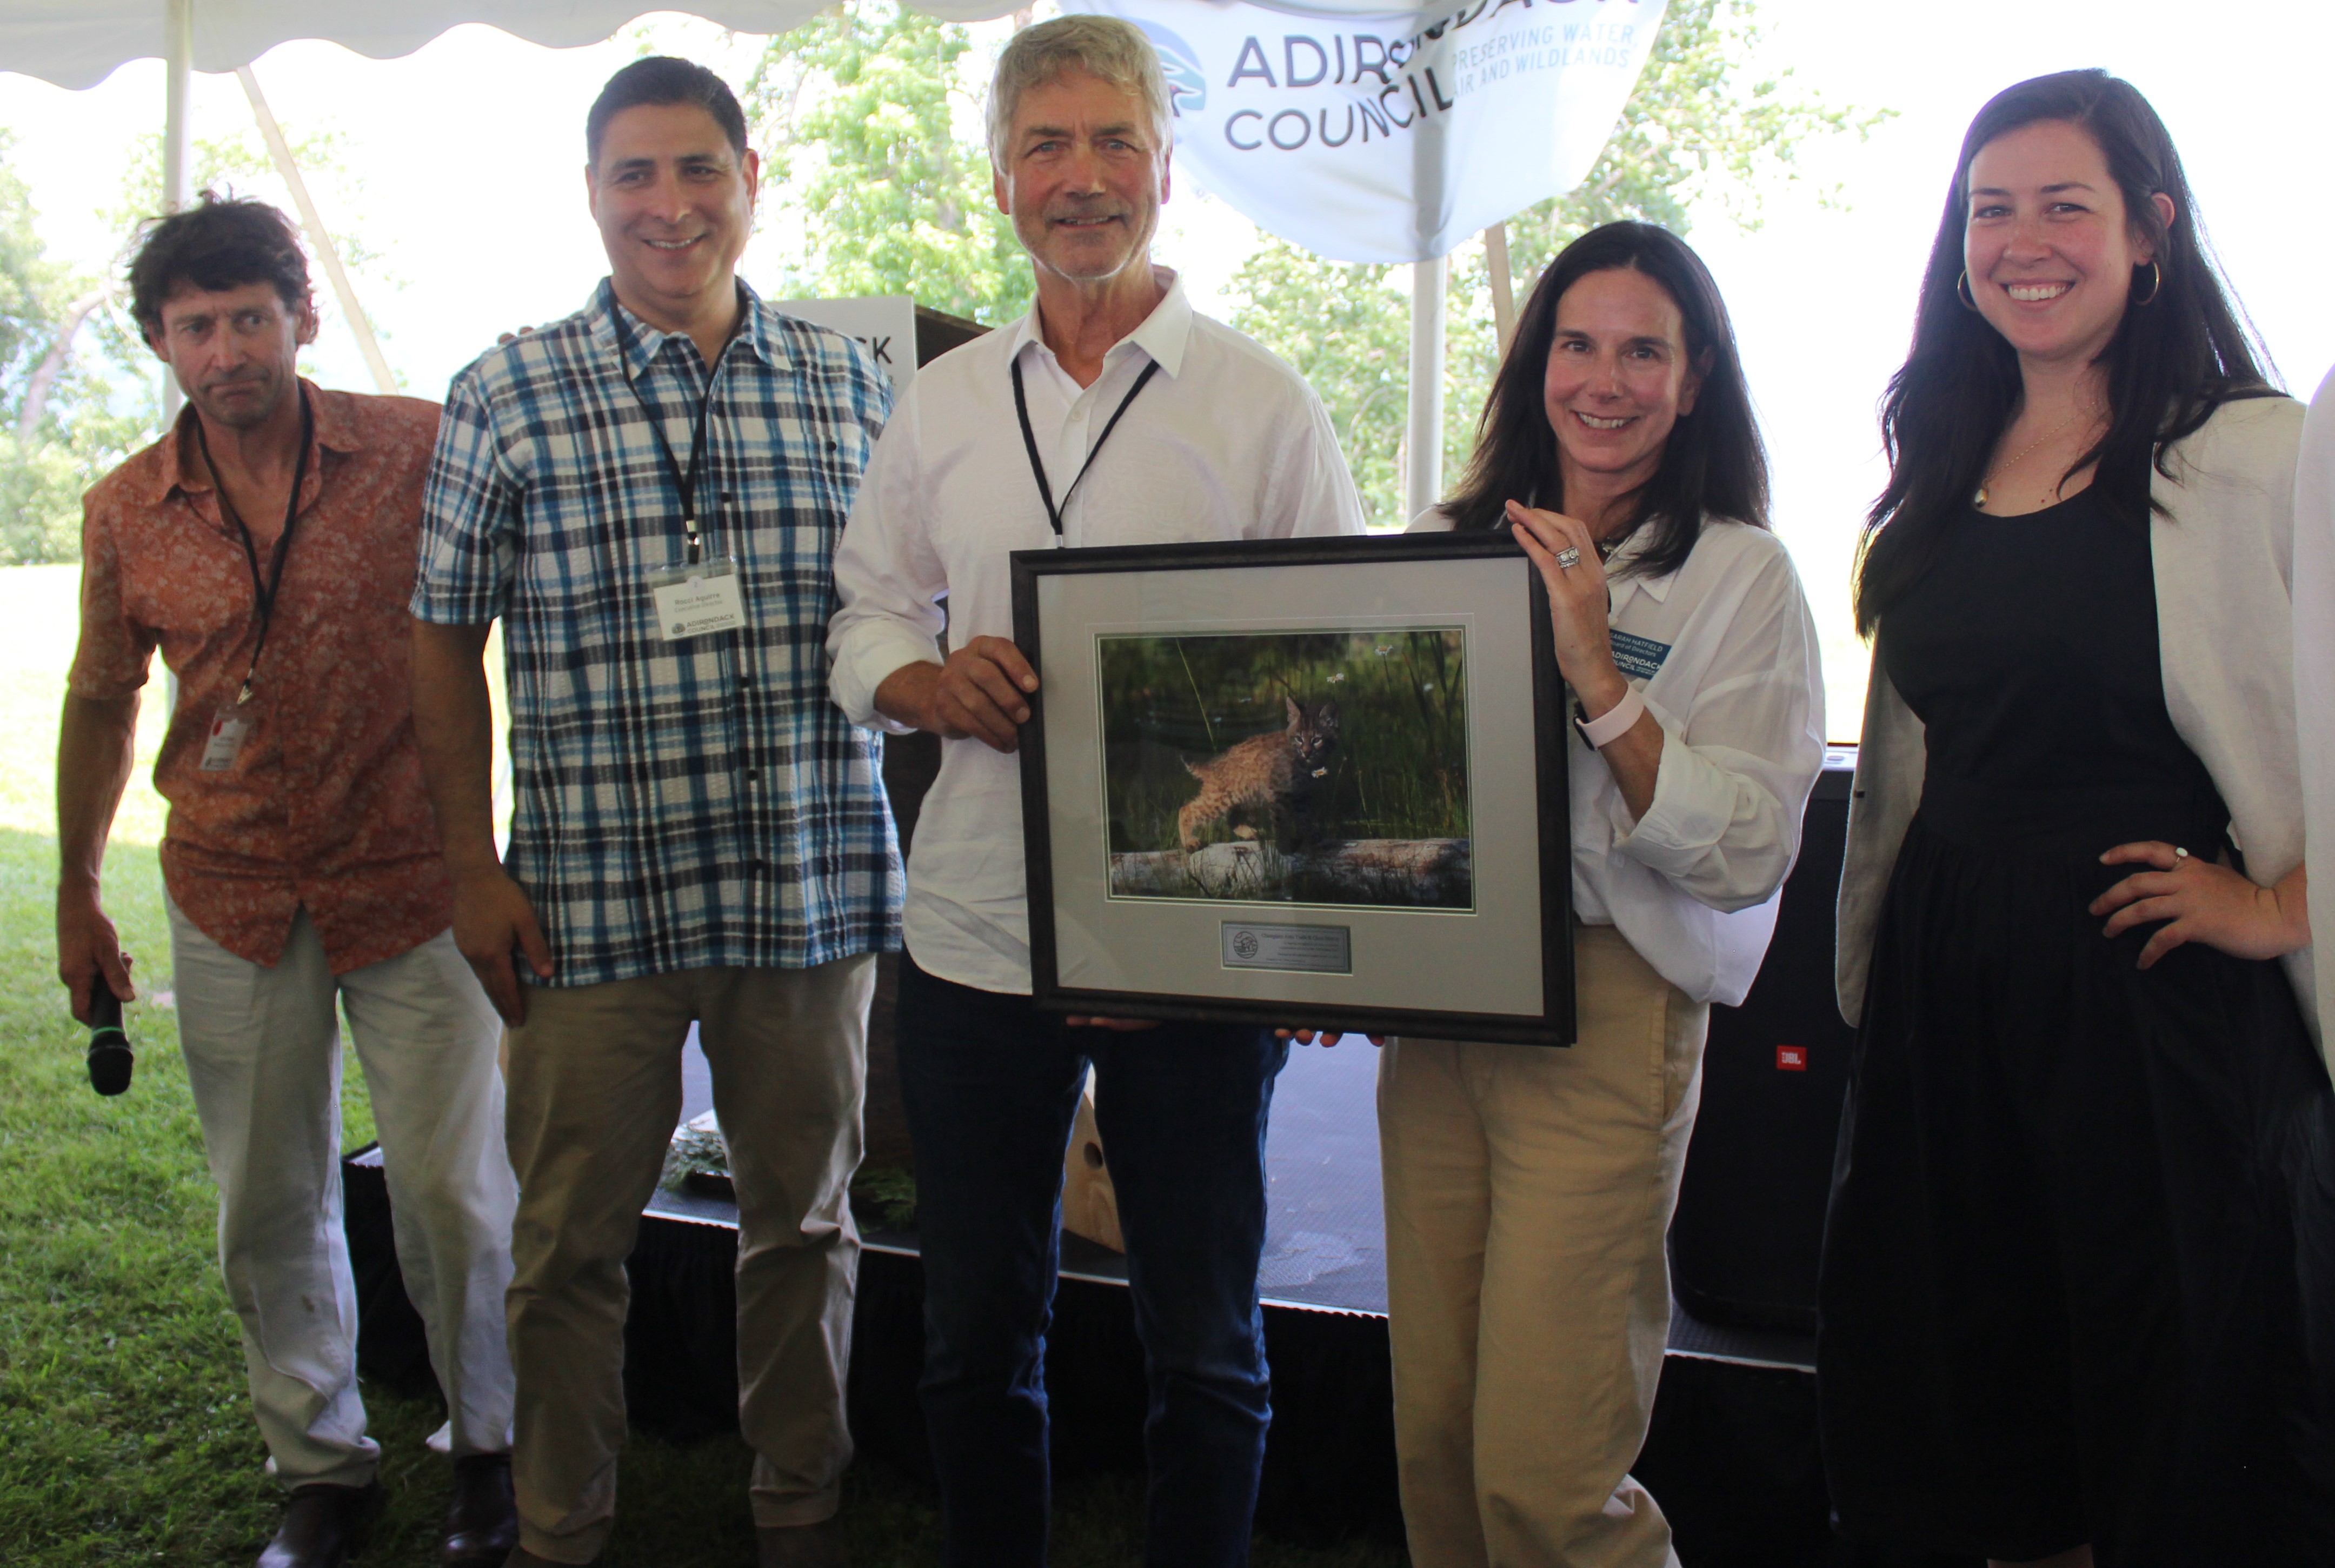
{"x":2179,"y":854}
{"x":1567,"y":558}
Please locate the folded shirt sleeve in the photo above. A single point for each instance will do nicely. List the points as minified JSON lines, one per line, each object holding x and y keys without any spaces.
{"x":470,"y":511}
{"x":1738,"y":762}
{"x":888,"y":578}
{"x":114,"y":653}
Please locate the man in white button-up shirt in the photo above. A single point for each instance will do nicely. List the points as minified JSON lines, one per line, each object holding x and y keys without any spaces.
{"x":1145,"y":424}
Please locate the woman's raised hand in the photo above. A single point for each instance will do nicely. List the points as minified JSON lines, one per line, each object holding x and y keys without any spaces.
{"x":1566,"y":555}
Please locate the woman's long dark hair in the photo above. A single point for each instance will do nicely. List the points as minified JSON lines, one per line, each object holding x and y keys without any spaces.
{"x":2180,"y":353}
{"x":1713,"y":464}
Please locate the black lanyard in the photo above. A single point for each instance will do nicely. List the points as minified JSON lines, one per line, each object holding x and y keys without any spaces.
{"x":262,"y":596}
{"x":1029,"y":441}
{"x":683,"y":480}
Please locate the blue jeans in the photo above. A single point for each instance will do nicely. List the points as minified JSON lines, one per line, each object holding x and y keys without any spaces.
{"x":992,"y":1087}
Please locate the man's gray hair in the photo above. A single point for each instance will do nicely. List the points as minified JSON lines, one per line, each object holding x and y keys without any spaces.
{"x":1103,"y":47}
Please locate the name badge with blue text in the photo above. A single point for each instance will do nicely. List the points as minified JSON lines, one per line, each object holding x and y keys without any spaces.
{"x":1638,"y":658}
{"x":697,"y":600}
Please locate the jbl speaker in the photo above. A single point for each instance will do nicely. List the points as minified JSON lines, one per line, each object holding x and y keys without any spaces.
{"x":1751,"y":1206}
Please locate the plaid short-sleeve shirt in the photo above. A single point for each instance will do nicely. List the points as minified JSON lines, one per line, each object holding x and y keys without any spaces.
{"x":680,"y":805}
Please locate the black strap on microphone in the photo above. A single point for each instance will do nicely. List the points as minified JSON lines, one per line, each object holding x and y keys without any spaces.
{"x":1029,"y":441}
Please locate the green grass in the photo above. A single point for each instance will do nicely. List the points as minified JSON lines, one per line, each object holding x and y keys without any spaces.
{"x":124,"y":1432}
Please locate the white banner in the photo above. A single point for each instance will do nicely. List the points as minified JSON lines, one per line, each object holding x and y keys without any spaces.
{"x":1393,"y":138}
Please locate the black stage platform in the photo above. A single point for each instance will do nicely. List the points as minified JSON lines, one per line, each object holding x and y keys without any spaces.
{"x":1325,"y":1241}
{"x":1330,"y":1472}
{"x":1732,"y":1453}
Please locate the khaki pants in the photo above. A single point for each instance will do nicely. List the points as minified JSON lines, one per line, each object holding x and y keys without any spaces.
{"x":1527,"y":1193}
{"x":594,"y":1096}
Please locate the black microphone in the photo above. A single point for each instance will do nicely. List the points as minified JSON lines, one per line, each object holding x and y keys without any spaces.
{"x":111,"y":1059}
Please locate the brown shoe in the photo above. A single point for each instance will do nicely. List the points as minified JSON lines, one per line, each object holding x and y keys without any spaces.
{"x":323,"y":1526}
{"x":819,"y":1545}
{"x":481,"y":1520}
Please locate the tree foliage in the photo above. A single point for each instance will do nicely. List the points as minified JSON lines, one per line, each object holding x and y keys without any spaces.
{"x":1692,"y":133}
{"x":239,"y":164}
{"x":866,"y":121}
{"x":66,"y":425}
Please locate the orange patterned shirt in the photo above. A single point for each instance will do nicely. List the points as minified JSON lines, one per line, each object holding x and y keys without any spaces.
{"x":323,"y":806}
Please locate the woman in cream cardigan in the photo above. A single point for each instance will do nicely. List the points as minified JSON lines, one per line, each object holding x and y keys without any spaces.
{"x":2078,"y":1286}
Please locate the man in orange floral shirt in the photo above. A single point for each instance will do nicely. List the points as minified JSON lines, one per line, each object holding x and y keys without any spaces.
{"x":265,"y":545}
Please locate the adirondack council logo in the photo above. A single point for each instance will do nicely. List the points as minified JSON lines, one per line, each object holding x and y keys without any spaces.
{"x":1187,"y":85}
{"x":1326,"y":89}
{"x":1381,"y":95}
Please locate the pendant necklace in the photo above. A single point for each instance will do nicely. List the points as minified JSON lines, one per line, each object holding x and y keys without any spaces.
{"x":1979,"y":500}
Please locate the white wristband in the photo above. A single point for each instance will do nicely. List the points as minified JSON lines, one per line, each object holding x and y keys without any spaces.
{"x":1615,"y":722}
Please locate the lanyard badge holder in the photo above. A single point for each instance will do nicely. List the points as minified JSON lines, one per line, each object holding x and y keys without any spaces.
{"x":1038,"y":467}
{"x":699,"y":597}
{"x":231,"y":725}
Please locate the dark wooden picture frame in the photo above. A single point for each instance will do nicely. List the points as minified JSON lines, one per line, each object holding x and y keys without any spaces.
{"x":1552,"y":866}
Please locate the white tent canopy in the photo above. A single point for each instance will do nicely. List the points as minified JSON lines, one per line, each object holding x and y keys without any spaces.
{"x":77,"y":43}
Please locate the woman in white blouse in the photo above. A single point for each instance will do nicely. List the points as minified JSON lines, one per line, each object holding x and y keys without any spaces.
{"x":1528,"y":1189}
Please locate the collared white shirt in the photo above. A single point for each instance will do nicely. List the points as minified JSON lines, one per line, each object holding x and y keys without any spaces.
{"x":1223,"y":442}
{"x":1724,"y":652}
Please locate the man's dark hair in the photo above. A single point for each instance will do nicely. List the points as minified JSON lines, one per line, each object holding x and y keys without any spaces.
{"x":217,"y":243}
{"x":1713,"y":464}
{"x":662,"y":79}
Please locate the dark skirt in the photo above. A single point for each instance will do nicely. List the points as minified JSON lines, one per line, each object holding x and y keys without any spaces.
{"x":2079,"y":1277}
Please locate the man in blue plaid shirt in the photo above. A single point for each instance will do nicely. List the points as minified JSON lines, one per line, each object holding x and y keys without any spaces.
{"x":700,"y":835}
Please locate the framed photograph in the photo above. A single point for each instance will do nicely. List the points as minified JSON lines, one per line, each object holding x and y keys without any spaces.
{"x":1299,"y":783}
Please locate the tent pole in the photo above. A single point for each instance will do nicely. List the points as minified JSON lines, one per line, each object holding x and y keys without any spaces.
{"x":177,"y":140}
{"x":1423,"y":439}
{"x":1504,"y":294}
{"x":318,"y":236}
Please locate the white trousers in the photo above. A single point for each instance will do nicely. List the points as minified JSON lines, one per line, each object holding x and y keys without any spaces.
{"x":263,"y":1053}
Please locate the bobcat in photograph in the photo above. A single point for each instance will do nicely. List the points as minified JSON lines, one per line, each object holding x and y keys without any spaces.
{"x":1278,"y":771}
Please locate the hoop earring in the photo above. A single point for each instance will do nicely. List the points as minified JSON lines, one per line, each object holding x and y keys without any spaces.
{"x":2156,"y":285}
{"x":1963,"y":291}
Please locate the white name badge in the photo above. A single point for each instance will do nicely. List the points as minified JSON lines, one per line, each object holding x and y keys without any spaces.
{"x":693,"y":601}
{"x":229,"y":727}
